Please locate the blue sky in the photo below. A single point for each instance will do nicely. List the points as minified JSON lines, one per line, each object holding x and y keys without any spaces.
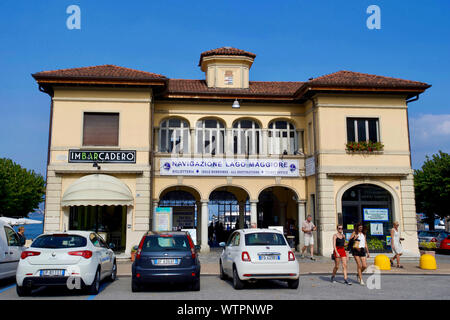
{"x":293,"y":40}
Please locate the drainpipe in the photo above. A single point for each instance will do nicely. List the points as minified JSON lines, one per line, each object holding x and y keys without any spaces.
{"x":407,"y":124}
{"x":151,"y":160}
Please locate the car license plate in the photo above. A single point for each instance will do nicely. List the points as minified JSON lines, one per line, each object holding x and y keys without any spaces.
{"x":52,"y":273}
{"x":166,"y":262}
{"x":269,"y":257}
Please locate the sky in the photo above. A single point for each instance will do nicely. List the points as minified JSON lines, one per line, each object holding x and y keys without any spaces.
{"x":293,"y":40}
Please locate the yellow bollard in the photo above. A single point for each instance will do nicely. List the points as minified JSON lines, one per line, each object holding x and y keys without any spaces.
{"x":382,"y":262}
{"x":428,"y":262}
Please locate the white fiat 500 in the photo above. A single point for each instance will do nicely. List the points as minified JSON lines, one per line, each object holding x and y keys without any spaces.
{"x":252,"y":254}
{"x":76,"y":259}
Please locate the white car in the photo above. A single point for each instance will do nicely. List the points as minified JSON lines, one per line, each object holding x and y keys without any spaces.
{"x":252,"y":254}
{"x":75,"y":259}
{"x":11,"y":249}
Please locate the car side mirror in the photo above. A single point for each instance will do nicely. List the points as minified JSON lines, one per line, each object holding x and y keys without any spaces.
{"x":197,"y":248}
{"x":222,"y":244}
{"x":112,"y":246}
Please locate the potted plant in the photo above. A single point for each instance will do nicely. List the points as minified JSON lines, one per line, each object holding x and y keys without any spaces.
{"x":427,"y":248}
{"x":375,"y":245}
{"x":364,"y":146}
{"x":133,"y":252}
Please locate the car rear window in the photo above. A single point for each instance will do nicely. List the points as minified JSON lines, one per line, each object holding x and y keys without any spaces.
{"x":59,"y":241}
{"x":264,"y":239}
{"x":157,"y":243}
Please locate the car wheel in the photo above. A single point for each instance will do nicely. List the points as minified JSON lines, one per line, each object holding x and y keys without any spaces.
{"x":95,"y":286}
{"x":237,"y":283}
{"x":196,"y":285}
{"x":113,"y":275}
{"x":135,"y":287}
{"x":23,"y":291}
{"x":223,"y":276}
{"x":293,"y":284}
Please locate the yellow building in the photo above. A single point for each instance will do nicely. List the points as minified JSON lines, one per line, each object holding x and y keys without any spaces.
{"x":228,"y":151}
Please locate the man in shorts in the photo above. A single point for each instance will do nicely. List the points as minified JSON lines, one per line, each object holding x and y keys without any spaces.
{"x":308,"y":227}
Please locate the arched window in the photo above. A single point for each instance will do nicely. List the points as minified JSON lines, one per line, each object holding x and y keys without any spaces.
{"x":210,"y":137}
{"x":174,"y":136}
{"x":246,"y":137}
{"x":282,"y":138}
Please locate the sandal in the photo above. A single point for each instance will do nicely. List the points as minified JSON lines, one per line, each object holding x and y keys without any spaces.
{"x":399,"y":266}
{"x":392,"y":263}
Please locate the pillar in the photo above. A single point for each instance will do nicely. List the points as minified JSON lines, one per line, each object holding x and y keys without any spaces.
{"x":301,"y":217}
{"x":254,"y":214}
{"x":155,"y":205}
{"x":204,"y":227}
{"x":241,"y":214}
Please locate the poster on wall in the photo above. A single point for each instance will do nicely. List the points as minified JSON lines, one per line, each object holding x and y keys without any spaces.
{"x":183,"y":217}
{"x":376,"y":229}
{"x":376,"y":214}
{"x":162,"y":220}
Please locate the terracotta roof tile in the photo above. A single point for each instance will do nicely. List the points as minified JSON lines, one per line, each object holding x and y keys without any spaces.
{"x":226,"y":51}
{"x":357,"y":79}
{"x":256,"y":88}
{"x":104,"y":72}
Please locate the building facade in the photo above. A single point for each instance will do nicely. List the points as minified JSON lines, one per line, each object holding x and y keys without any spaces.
{"x":124,"y":143}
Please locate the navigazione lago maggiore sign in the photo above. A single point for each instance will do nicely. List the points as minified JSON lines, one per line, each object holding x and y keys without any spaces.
{"x":229,"y":167}
{"x":103,"y":156}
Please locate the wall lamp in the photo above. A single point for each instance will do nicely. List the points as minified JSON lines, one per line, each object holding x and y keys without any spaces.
{"x":236,"y":104}
{"x":95,"y":165}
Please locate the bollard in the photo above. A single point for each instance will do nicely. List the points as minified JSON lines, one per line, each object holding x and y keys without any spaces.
{"x":427,"y":262}
{"x":382,"y":262}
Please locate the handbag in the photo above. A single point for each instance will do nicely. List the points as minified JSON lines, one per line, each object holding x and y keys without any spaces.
{"x":350,"y":243}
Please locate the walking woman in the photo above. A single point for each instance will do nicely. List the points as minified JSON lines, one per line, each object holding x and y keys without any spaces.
{"x":396,"y":245}
{"x":360,"y":250}
{"x":339,"y":254}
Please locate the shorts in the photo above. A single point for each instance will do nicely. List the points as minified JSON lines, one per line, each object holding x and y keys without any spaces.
{"x":359,"y":253}
{"x":309,"y":239}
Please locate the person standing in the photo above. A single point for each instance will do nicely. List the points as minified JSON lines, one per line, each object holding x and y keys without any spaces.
{"x":359,"y":250}
{"x":396,"y":245}
{"x":21,"y":235}
{"x":308,"y":227}
{"x":339,"y":254}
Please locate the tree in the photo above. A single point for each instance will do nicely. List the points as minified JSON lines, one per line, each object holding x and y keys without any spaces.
{"x":21,"y":190}
{"x":432,"y":187}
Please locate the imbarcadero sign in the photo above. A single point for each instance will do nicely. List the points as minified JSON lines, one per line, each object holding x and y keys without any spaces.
{"x":103,"y":156}
{"x":229,"y":167}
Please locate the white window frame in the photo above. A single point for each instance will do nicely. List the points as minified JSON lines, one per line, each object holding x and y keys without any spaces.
{"x":253,"y":132}
{"x":366,"y":125}
{"x":276,"y":139}
{"x":220,"y":145}
{"x":177,"y":132}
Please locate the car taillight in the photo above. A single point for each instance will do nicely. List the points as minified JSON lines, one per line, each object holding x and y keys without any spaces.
{"x":26,"y":254}
{"x":82,"y":253}
{"x":191,"y":244}
{"x":245,"y":256}
{"x":139,"y":250}
{"x":291,"y":256}
{"x":433,"y":240}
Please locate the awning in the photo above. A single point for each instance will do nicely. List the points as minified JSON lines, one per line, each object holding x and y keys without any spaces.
{"x":97,"y":190}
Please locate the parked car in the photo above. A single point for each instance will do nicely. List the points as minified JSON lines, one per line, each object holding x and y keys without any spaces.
{"x":11,"y":249}
{"x":82,"y":257}
{"x":445,"y":245}
{"x":166,"y":257}
{"x":253,"y":254}
{"x":435,"y":236}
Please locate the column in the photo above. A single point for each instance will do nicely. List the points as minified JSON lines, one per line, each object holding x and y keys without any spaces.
{"x":301,"y":217}
{"x":199,"y":222}
{"x":241,"y":214}
{"x":254,"y":214}
{"x":229,"y":142}
{"x":155,"y":205}
{"x":264,"y":142}
{"x":204,"y":227}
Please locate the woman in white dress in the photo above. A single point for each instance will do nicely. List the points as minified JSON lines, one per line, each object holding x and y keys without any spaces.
{"x":396,"y":245}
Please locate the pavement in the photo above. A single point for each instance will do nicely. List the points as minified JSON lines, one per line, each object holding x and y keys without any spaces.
{"x":322,"y":265}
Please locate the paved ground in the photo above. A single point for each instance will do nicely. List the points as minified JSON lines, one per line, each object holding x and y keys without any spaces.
{"x":393,"y":287}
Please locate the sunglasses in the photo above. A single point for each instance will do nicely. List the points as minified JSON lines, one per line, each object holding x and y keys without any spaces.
{"x":340,"y":228}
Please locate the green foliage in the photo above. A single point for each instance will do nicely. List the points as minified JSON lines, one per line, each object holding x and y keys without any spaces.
{"x":432,"y":187}
{"x":367,"y":146}
{"x":427,"y":245}
{"x":375,"y":244}
{"x":21,"y":190}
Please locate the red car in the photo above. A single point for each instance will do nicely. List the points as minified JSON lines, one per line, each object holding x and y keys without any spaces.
{"x":445,"y":244}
